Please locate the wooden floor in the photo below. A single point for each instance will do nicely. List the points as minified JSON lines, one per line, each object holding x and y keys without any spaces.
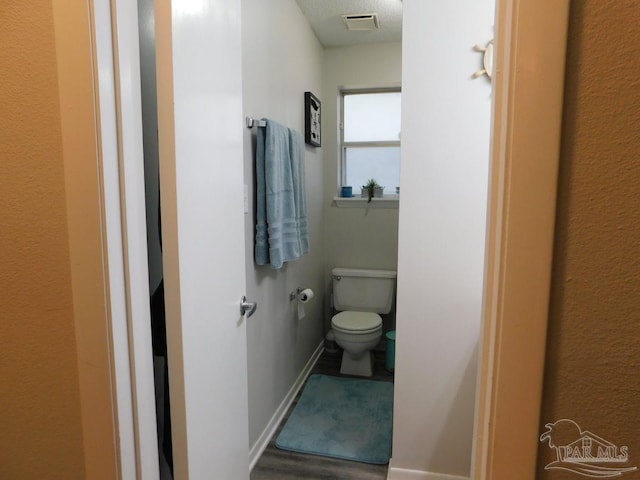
{"x":276,"y":464}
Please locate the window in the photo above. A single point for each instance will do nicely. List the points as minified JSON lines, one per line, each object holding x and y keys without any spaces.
{"x":370,"y":139}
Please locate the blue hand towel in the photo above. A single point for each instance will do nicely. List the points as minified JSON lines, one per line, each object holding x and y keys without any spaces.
{"x":296,"y":148}
{"x":262,"y":241}
{"x":279,"y":167}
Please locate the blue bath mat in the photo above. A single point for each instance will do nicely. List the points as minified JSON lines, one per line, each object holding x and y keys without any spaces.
{"x":342,"y":417}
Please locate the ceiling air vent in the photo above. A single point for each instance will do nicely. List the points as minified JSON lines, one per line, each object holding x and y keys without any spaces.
{"x":366,"y":21}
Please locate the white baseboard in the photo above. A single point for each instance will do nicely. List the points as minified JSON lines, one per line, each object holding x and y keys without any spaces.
{"x":395,"y":473}
{"x":262,"y":442}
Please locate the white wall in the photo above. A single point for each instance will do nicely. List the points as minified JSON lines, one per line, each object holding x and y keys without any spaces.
{"x":445,"y":155}
{"x":281,"y":60}
{"x":355,"y":237}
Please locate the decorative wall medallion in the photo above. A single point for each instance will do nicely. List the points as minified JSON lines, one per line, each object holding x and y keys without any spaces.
{"x":487,"y":60}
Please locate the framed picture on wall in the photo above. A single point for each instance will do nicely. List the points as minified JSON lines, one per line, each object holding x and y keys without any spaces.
{"x":312,"y":131}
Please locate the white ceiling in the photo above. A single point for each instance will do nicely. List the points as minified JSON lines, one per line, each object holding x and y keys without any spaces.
{"x":325,"y":18}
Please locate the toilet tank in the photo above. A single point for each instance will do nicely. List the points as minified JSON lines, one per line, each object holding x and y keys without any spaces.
{"x":363,"y":290}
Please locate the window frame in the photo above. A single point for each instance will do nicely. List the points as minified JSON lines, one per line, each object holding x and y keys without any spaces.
{"x":344,"y":145}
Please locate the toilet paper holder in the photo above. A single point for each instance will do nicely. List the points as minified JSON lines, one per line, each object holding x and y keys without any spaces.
{"x":295,"y":294}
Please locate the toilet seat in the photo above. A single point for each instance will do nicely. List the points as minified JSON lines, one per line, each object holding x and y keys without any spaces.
{"x":357,"y":323}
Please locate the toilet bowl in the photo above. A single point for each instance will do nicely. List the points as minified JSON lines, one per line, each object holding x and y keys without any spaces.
{"x":360,"y":296}
{"x":357,"y":333}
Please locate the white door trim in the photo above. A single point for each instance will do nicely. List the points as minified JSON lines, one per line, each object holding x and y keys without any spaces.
{"x":528,"y":93}
{"x":114,"y":246}
{"x":117,"y":63}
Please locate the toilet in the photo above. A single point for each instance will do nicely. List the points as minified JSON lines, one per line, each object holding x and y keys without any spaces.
{"x":360,"y":296}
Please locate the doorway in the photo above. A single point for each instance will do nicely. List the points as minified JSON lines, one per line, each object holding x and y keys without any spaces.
{"x":468,"y":228}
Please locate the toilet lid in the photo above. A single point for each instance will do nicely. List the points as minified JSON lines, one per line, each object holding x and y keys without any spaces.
{"x":356,"y":321}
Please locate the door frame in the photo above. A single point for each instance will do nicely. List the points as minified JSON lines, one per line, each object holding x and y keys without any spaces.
{"x":99,"y":88}
{"x":117,"y":53}
{"x":528,"y":79}
{"x":531,"y":38}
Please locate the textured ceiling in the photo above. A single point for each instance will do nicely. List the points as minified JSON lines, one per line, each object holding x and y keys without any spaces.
{"x":325,"y":18}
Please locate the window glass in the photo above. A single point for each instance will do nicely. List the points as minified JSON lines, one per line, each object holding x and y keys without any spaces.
{"x":380,"y":163}
{"x":370,"y":141}
{"x":372,"y":117}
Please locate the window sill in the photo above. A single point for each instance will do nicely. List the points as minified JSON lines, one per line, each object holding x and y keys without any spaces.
{"x":388,"y":201}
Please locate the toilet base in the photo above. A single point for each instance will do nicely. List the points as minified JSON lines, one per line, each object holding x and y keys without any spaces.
{"x":362,"y":366}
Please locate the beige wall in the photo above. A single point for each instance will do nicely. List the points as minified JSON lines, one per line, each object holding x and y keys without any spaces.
{"x":41,"y":434}
{"x":593,"y":351}
{"x":356,"y":237}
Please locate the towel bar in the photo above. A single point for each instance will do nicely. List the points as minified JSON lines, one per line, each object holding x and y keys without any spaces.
{"x":251,"y":122}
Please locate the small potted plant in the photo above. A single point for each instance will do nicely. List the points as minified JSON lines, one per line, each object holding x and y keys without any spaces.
{"x":372,"y":189}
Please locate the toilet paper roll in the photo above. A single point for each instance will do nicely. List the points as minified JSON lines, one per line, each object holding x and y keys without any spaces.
{"x":305,"y":295}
